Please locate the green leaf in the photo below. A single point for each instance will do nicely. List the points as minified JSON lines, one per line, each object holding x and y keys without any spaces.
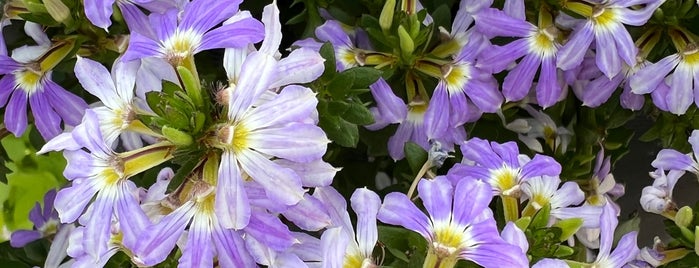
{"x":568,"y":227}
{"x":358,"y":114}
{"x":340,"y":131}
{"x":415,"y":155}
{"x":541,"y":218}
{"x":328,"y":53}
{"x":363,"y":76}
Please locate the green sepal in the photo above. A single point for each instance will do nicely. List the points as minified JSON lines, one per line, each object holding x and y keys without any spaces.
{"x":176,"y":136}
{"x":568,"y":227}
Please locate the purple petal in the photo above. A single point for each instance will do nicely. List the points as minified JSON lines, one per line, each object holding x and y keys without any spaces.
{"x":398,"y":140}
{"x":397,"y":209}
{"x":647,"y":79}
{"x":391,"y":107}
{"x":681,"y":90}
{"x":480,"y":151}
{"x":515,"y":8}
{"x":568,"y":195}
{"x":471,"y":198}
{"x":599,"y":90}
{"x":157,"y":243}
{"x":494,"y":22}
{"x":135,"y":19}
{"x":541,"y":165}
{"x":309,"y":214}
{"x":95,"y":78}
{"x":307,"y":143}
{"x":202,"y":15}
{"x":607,"y":57}
{"x":334,"y":245}
{"x":231,"y":204}
{"x":608,"y":222}
{"x":625,"y":251}
{"x":71,"y":201}
{"x":572,"y":53}
{"x":68,"y":106}
{"x":508,"y":152}
{"x":255,"y":78}
{"x":20,"y":238}
{"x":293,"y":104}
{"x":273,"y":29}
{"x":46,"y":120}
{"x":332,"y":32}
{"x":281,"y":184}
{"x":518,"y":81}
{"x":366,"y":204}
{"x":7,"y":64}
{"x":514,"y":236}
{"x":132,"y":220}
{"x":238,"y":34}
{"x":437,"y":115}
{"x":98,"y":12}
{"x":437,"y":195}
{"x":303,"y":65}
{"x":231,"y":248}
{"x":270,"y":231}
{"x":199,"y":251}
{"x":16,"y":113}
{"x":668,"y":159}
{"x":484,"y":94}
{"x":141,"y":47}
{"x":625,"y":46}
{"x":314,"y":174}
{"x":98,"y":226}
{"x":548,"y":90}
{"x":7,"y":86}
{"x":337,"y":209}
{"x":487,"y":249}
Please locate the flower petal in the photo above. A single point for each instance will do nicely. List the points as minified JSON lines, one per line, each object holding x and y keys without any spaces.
{"x":235,"y":35}
{"x":397,"y":209}
{"x":231,"y":204}
{"x":281,"y":184}
{"x":366,"y":204}
{"x":572,"y":53}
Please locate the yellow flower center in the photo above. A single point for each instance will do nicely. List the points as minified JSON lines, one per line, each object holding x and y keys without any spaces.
{"x":29,"y":80}
{"x":604,"y":17}
{"x":233,"y":137}
{"x":691,"y":54}
{"x":505,"y":179}
{"x":456,"y":76}
{"x":181,"y":45}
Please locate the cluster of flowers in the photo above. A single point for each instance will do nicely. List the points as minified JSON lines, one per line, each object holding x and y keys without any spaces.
{"x":260,"y":193}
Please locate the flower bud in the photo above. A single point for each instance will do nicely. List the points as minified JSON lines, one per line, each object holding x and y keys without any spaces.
{"x":176,"y":136}
{"x":684,"y":216}
{"x":406,"y":42}
{"x":386,"y":17}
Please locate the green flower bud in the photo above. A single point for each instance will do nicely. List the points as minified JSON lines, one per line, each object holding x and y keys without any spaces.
{"x":684,"y":216}
{"x":386,"y":17}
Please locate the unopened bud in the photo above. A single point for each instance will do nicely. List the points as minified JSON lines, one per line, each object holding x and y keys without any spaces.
{"x":176,"y":136}
{"x":406,"y":42}
{"x":386,"y":17}
{"x":684,"y":216}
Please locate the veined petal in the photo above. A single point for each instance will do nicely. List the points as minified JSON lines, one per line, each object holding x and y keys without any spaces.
{"x":437,"y":115}
{"x":471,"y":198}
{"x":309,"y":214}
{"x":281,"y":184}
{"x":231,"y":204}
{"x":515,"y":8}
{"x":486,"y":248}
{"x":157,"y":243}
{"x":480,"y":151}
{"x":98,"y":12}
{"x":68,"y":106}
{"x":96,"y":79}
{"x":514,"y":236}
{"x":332,"y":32}
{"x":334,"y":245}
{"x":398,"y":140}
{"x":199,"y":251}
{"x":125,"y":74}
{"x":303,"y":65}
{"x":437,"y":195}
{"x":273,"y":29}
{"x":132,"y":220}
{"x":45,"y":119}
{"x":647,"y":79}
{"x":625,"y":46}
{"x":255,"y":78}
{"x":668,"y":159}
{"x":202,"y":15}
{"x":569,"y":194}
{"x":135,"y":19}
{"x":307,"y":143}
{"x":16,"y":113}
{"x":20,"y":238}
{"x":572,"y":53}
{"x":541,"y":165}
{"x":548,"y":89}
{"x":366,"y":204}
{"x":230,"y":247}
{"x":397,"y":209}
{"x":7,"y":64}
{"x":494,"y":22}
{"x":681,"y":90}
{"x":625,"y":251}
{"x":508,"y":152}
{"x":484,"y":94}
{"x":391,"y":107}
{"x":598,"y":91}
{"x":313,"y":174}
{"x":337,"y":209}
{"x":98,"y":226}
{"x":608,"y":222}
{"x":588,"y":213}
{"x":607,"y":57}
{"x":235,"y":35}
{"x":270,"y":231}
{"x":7,"y":86}
{"x":293,"y":104}
{"x":141,"y":47}
{"x":518,"y":82}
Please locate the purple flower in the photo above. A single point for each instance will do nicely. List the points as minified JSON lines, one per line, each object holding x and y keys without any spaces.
{"x":460,"y":224}
{"x":100,"y":173}
{"x":542,"y":191}
{"x":538,"y":47}
{"x":341,"y":246}
{"x":596,"y":90}
{"x":262,"y":124}
{"x":501,"y":166}
{"x":179,"y":38}
{"x":45,"y":222}
{"x":658,"y":197}
{"x":684,"y":68}
{"x":27,"y":78}
{"x":605,"y":24}
{"x":461,"y":86}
